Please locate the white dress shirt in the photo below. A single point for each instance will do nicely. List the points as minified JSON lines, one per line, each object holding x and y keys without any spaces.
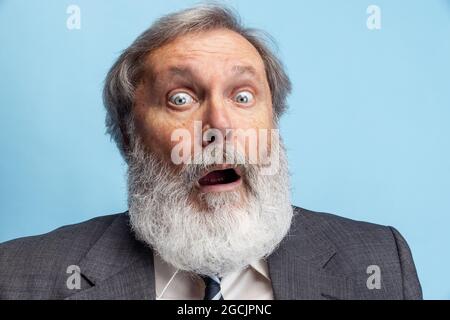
{"x":251,"y":283}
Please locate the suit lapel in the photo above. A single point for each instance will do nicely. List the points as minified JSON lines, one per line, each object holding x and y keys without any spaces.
{"x":117,"y":266}
{"x":298,"y":268}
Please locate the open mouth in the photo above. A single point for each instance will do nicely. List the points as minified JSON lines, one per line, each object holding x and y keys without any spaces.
{"x":220,"y":180}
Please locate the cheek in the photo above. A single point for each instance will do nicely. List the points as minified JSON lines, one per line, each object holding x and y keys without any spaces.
{"x":267,"y":116}
{"x":254,"y":138}
{"x":170,"y":137}
{"x":150,"y":124}
{"x":155,"y":133}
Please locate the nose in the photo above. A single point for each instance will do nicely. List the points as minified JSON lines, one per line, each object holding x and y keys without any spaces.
{"x":217,"y":117}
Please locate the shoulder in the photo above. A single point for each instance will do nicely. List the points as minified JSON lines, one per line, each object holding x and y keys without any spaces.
{"x":343,"y":231}
{"x":358,"y":247}
{"x":74,"y":235}
{"x":357,"y":241}
{"x":40,"y":261}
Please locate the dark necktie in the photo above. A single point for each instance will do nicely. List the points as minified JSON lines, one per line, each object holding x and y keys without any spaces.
{"x":212,"y":288}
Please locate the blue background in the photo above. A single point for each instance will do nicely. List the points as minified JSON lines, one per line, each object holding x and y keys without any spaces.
{"x":367,"y":131}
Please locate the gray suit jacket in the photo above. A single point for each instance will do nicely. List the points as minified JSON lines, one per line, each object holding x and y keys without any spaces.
{"x":323,"y":257}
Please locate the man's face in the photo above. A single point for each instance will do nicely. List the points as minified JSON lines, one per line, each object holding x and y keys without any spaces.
{"x":200,"y":217}
{"x":215,"y":77}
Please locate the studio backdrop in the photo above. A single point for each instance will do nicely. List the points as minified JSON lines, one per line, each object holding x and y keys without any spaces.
{"x":367,"y":131}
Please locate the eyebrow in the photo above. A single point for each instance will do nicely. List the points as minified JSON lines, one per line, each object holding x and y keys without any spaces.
{"x":180,"y":71}
{"x":239,"y":69}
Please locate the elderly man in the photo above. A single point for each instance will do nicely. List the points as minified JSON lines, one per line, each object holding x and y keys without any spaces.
{"x":193,"y":105}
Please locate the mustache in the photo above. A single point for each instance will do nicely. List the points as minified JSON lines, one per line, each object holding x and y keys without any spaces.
{"x":216,"y":157}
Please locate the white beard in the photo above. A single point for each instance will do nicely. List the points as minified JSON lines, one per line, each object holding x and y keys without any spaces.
{"x":232,"y":232}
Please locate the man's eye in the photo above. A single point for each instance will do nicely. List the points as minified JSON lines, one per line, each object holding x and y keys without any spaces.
{"x":181,"y":99}
{"x":244,"y":97}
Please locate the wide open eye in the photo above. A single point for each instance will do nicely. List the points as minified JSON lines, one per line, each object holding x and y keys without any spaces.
{"x":244,"y":97}
{"x":181,"y":99}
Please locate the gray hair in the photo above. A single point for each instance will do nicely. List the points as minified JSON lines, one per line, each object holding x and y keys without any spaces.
{"x":127,"y":71}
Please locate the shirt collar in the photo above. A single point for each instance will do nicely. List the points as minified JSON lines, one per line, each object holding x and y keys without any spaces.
{"x":261,"y":267}
{"x":166,"y":272}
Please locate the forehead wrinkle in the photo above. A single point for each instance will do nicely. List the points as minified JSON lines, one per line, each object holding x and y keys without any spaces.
{"x":186,"y":71}
{"x":185,"y":53}
{"x":190,"y":65}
